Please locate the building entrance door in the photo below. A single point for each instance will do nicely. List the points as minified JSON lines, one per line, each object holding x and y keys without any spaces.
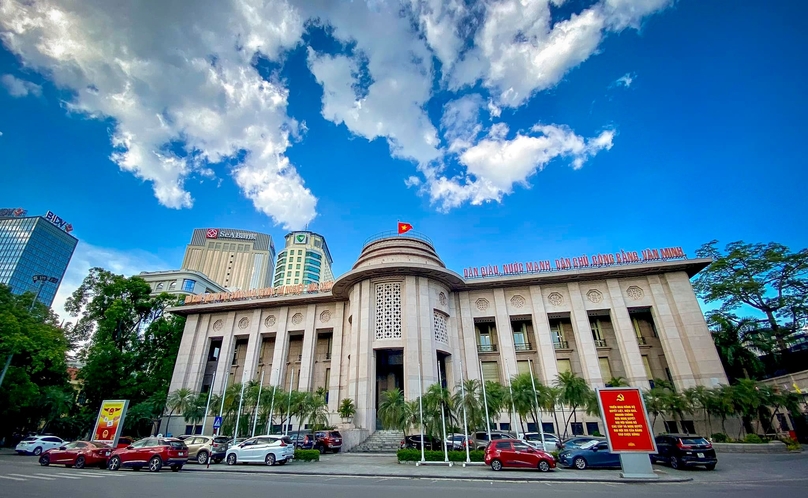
{"x":389,"y":374}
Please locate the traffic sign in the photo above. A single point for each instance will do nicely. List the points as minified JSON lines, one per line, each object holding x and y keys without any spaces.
{"x":217,"y":422}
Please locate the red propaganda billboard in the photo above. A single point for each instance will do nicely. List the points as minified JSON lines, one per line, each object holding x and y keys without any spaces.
{"x":627,"y":427}
{"x":109,"y":425}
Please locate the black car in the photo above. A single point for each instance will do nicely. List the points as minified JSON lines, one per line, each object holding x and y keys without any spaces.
{"x":414,"y":443}
{"x":683,"y":450}
{"x":303,"y":440}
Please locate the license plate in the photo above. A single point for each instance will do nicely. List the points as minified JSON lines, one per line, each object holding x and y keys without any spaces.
{"x":700,"y":455}
{"x":182,"y":453}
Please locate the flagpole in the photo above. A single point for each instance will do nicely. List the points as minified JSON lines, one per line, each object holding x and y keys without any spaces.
{"x":465,"y":422}
{"x":271,"y":405}
{"x":289,"y":404}
{"x":538,"y":408}
{"x":485,"y":403}
{"x":221,"y":407}
{"x":442,"y":416}
{"x":238,"y":415}
{"x":257,"y":404}
{"x":207,"y":405}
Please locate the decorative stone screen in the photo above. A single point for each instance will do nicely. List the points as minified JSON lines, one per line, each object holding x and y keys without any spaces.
{"x":439,"y":319}
{"x":388,"y":310}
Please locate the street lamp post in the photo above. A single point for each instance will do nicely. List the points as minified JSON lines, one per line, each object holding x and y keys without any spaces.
{"x":42,"y":279}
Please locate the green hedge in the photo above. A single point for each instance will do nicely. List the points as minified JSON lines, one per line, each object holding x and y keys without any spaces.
{"x":720,"y":437}
{"x":307,"y":455}
{"x":437,"y":456}
{"x":753,"y":438}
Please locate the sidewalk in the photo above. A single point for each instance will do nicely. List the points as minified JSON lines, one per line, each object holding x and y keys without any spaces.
{"x":385,"y":465}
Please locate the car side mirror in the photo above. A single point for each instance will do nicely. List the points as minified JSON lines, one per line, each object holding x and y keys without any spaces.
{"x":62,"y":447}
{"x":594,"y":448}
{"x":130,"y":447}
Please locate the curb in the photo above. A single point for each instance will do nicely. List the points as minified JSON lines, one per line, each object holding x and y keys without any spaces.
{"x":500,"y":477}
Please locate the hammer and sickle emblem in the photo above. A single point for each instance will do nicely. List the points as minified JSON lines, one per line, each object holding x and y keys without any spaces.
{"x":620,"y":397}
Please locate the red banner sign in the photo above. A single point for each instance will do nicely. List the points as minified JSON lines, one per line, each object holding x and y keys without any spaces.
{"x":627,"y":427}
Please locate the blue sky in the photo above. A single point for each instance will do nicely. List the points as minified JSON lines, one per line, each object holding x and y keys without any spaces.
{"x":464,"y":119}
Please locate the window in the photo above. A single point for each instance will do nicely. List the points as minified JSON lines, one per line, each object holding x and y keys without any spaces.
{"x":297,"y":267}
{"x":188,"y":285}
{"x":159,"y":286}
{"x":523,"y":367}
{"x":491,"y":371}
{"x":592,"y":428}
{"x":557,"y":332}
{"x":671,"y":426}
{"x":597,"y":333}
{"x":503,"y":445}
{"x":486,"y":337}
{"x":520,"y":447}
{"x":520,"y":337}
{"x":605,"y":369}
{"x":505,"y":426}
{"x":563,"y":366}
{"x":638,"y":331}
{"x":297,"y":273}
{"x":688,"y":427}
{"x":213,"y":352}
{"x":577,"y":428}
{"x":327,"y":382}
{"x":548,"y":427}
{"x":648,"y":374}
{"x":172,"y":285}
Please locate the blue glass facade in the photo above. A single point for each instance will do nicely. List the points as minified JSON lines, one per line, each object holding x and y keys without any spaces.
{"x":33,"y":246}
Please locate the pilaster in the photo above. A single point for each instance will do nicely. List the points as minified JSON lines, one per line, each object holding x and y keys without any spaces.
{"x":253,"y":347}
{"x":468,"y":335}
{"x":670,"y":336}
{"x":279,"y":352}
{"x":225,"y":359}
{"x":626,"y":337}
{"x":585,"y":344}
{"x":336,"y":358}
{"x":544,"y":340}
{"x":307,"y":355}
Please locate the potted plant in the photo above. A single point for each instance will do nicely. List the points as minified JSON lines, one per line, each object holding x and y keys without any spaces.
{"x":347,"y":409}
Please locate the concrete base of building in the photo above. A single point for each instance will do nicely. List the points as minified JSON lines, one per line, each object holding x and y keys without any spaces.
{"x":770,"y":447}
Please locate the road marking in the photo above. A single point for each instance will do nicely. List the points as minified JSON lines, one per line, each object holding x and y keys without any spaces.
{"x":89,"y":474}
{"x":12,"y":478}
{"x":63,"y":476}
{"x":32,"y":477}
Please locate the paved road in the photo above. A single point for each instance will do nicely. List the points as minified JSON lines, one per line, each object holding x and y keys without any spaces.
{"x":22,"y":476}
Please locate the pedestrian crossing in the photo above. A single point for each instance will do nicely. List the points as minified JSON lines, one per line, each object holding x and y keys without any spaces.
{"x":63,"y":476}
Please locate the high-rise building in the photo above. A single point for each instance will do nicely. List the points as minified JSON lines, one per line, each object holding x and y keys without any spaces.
{"x":33,"y":246}
{"x":305,"y":260}
{"x":234,"y":259}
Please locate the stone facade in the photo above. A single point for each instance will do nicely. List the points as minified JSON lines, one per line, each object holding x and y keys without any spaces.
{"x":399,"y":316}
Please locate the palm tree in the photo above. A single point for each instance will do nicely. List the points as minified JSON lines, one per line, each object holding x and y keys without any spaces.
{"x":674,"y":404}
{"x":475,"y":415}
{"x":746,"y":400}
{"x":195,"y":412}
{"x":178,"y":401}
{"x":721,"y":405}
{"x":551,"y":402}
{"x":617,"y":382}
{"x":524,"y":397}
{"x":737,"y":341}
{"x":498,"y":398}
{"x":314,"y":411}
{"x":654,"y":404}
{"x":394,"y":413}
{"x":700,"y":398}
{"x":56,"y":402}
{"x":437,"y":403}
{"x":574,"y":393}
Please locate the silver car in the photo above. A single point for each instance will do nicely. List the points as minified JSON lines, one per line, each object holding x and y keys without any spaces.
{"x":268,"y":450}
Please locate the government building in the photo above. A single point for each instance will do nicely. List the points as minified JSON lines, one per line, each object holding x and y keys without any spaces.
{"x":399,"y":315}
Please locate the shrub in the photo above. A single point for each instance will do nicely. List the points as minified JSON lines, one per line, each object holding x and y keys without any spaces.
{"x":720,"y":437}
{"x":597,"y":434}
{"x":791,"y":444}
{"x":753,"y":438}
{"x":437,"y":456}
{"x":307,"y":455}
{"x":347,"y":409}
{"x":555,"y":454}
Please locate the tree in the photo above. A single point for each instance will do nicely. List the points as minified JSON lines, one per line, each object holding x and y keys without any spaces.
{"x":437,"y":403}
{"x":617,"y":382}
{"x":701,"y":398}
{"x":737,"y":340}
{"x":497,"y":399}
{"x":394,"y":412}
{"x":179,"y":401}
{"x":767,"y":277}
{"x":574,"y":393}
{"x":472,"y":402}
{"x":347,"y":409}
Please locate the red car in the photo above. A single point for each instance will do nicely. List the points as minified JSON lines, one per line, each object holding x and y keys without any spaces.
{"x":78,"y":454}
{"x":516,"y":454}
{"x":151,"y":452}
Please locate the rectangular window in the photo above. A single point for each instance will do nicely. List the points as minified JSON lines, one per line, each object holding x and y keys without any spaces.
{"x":520,"y":337}
{"x":563,"y":366}
{"x":327,"y":382}
{"x":638,"y":331}
{"x":491,"y":371}
{"x":297,"y":267}
{"x":597,"y":333}
{"x":523,"y":367}
{"x":605,"y":369}
{"x":548,"y":427}
{"x":188,"y":285}
{"x":592,"y":428}
{"x":504,"y":426}
{"x":671,"y":427}
{"x":577,"y":428}
{"x":557,"y":332}
{"x":486,"y":337}
{"x":688,"y":427}
{"x":647,"y":365}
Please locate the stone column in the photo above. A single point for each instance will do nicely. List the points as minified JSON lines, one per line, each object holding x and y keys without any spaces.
{"x":465,"y":321}
{"x":307,"y":355}
{"x":336,"y":358}
{"x":353,"y":347}
{"x":365,"y":381}
{"x":279,"y":352}
{"x":455,"y":346}
{"x":412,"y":349}
{"x":253,"y":348}
{"x":225,"y":360}
{"x":507,"y":351}
{"x":429,"y":360}
{"x":186,"y":355}
{"x":544,"y":339}
{"x":586,"y":350}
{"x":626,"y":337}
{"x":670,"y":336}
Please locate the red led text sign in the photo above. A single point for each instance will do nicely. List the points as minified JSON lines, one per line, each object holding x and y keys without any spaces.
{"x":627,"y":428}
{"x":583,"y":261}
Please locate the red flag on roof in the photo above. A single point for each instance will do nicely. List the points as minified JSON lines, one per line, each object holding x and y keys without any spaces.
{"x":404,"y":227}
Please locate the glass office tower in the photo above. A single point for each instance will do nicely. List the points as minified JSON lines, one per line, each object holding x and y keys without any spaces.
{"x":33,"y":245}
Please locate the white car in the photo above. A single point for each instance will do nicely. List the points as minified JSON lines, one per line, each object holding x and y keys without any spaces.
{"x":35,"y":445}
{"x":268,"y":450}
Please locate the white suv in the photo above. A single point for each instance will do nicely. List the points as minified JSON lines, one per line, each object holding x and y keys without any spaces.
{"x":268,"y":450}
{"x":37,"y":444}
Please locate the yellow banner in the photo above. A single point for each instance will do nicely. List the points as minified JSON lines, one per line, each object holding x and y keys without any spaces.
{"x":110,"y":421}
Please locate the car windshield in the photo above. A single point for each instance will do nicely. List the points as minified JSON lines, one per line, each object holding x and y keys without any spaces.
{"x":586,"y":444}
{"x":336,"y":434}
{"x":693,"y":441}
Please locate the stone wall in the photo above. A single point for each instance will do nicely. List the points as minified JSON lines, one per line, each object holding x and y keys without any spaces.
{"x":770,"y":447}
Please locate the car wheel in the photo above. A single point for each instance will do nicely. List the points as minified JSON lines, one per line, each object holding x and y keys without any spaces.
{"x":37,"y":451}
{"x":270,"y":459}
{"x":80,"y":462}
{"x":496,"y":465}
{"x":202,"y":457}
{"x":155,"y":464}
{"x":114,"y":463}
{"x":544,"y":466}
{"x":231,"y":459}
{"x":44,"y":460}
{"x":321,"y":449}
{"x":176,"y":468}
{"x":710,"y":466}
{"x":674,"y":462}
{"x":579,"y":463}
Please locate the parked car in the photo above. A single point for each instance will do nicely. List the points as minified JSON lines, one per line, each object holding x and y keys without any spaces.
{"x":303,"y":440}
{"x":35,"y":445}
{"x":550,"y":440}
{"x":204,"y":448}
{"x":514,"y":453}
{"x":77,"y":454}
{"x":481,"y":438}
{"x":414,"y":443}
{"x":154,"y":452}
{"x":327,"y":441}
{"x":262,"y":449}
{"x":591,"y":454}
{"x":457,"y":442}
{"x":125,"y":441}
{"x":578,"y":441}
{"x":682,"y":450}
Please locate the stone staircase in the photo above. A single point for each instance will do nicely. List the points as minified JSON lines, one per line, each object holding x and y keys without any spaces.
{"x":380,"y":442}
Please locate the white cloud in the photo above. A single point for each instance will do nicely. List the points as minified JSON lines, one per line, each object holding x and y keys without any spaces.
{"x":461,"y":123}
{"x":170,"y":74}
{"x":19,"y":88}
{"x":88,"y":256}
{"x":626,"y":80}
